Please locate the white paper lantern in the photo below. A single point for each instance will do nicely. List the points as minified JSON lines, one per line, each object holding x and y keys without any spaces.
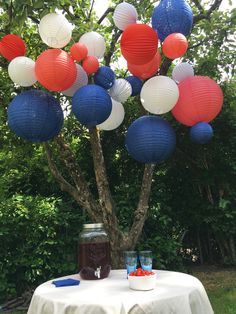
{"x":55,"y":30}
{"x":121,"y":90}
{"x":124,"y":15}
{"x":159,"y":94}
{"x":182,"y":71}
{"x":115,"y":119}
{"x":95,"y":44}
{"x":22,"y":71}
{"x":81,"y":80}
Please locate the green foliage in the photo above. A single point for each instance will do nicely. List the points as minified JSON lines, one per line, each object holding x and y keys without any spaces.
{"x":38,"y":241}
{"x":162,"y":236}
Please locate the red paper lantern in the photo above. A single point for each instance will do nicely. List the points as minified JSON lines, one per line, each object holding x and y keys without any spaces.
{"x":200,"y":100}
{"x":175,"y":46}
{"x":139,"y":43}
{"x":78,"y":51}
{"x":55,"y":70}
{"x":90,"y":64}
{"x":12,"y":46}
{"x":145,"y":71}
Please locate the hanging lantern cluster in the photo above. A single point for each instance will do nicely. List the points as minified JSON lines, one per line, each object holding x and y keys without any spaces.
{"x":193,"y":100}
{"x":172,"y":21}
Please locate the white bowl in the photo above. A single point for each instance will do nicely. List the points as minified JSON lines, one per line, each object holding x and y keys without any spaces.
{"x":142,"y":282}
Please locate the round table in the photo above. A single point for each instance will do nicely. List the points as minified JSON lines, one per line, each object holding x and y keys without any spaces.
{"x":175,"y":293}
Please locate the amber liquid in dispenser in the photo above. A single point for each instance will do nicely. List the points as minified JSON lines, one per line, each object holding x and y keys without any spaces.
{"x":94,"y":260}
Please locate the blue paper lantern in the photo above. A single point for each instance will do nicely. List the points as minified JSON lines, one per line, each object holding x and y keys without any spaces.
{"x":91,"y":105}
{"x":150,"y":139}
{"x":35,"y":116}
{"x":172,"y":16}
{"x":104,"y":77}
{"x":201,"y":133}
{"x":135,"y":83}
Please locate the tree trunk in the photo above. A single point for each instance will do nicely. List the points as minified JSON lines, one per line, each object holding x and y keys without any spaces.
{"x":210,"y":257}
{"x":232,"y":249}
{"x":103,"y":209}
{"x":200,"y":248}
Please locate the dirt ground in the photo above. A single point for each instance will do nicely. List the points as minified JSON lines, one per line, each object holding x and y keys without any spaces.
{"x":214,"y":278}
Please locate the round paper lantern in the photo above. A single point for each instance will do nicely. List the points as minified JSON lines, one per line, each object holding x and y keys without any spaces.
{"x":136,"y":84}
{"x":124,"y":15}
{"x":91,"y":105}
{"x":150,"y":139}
{"x":115,"y":118}
{"x":78,"y":51}
{"x":90,"y":64}
{"x":22,"y":71}
{"x":138,"y":43}
{"x":81,"y":80}
{"x":201,"y":133}
{"x":95,"y":44}
{"x":182,"y":71}
{"x":35,"y":116}
{"x":12,"y":46}
{"x":175,"y":46}
{"x":105,"y":77}
{"x":121,"y":90}
{"x":172,"y":16}
{"x":147,"y":70}
{"x":159,"y":94}
{"x":200,"y":100}
{"x":55,"y":30}
{"x":55,"y":70}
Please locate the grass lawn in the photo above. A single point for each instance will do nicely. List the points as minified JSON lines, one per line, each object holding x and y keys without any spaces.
{"x":220,"y":286}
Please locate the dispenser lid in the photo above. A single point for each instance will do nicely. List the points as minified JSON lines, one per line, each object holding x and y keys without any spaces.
{"x":91,"y":226}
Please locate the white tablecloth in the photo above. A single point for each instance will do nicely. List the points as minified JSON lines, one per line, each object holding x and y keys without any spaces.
{"x":175,"y":293}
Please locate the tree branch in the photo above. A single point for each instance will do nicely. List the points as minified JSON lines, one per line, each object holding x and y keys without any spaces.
{"x":105,"y":198}
{"x":142,"y":208}
{"x":91,"y":9}
{"x":198,"y":5}
{"x":108,"y":56}
{"x":3,"y":63}
{"x":216,"y":4}
{"x":104,"y":193}
{"x":198,"y":44}
{"x":34,"y":19}
{"x":165,"y":65}
{"x":72,"y":16}
{"x":10,"y":15}
{"x":64,"y":185}
{"x":80,"y":192}
{"x":108,"y":10}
